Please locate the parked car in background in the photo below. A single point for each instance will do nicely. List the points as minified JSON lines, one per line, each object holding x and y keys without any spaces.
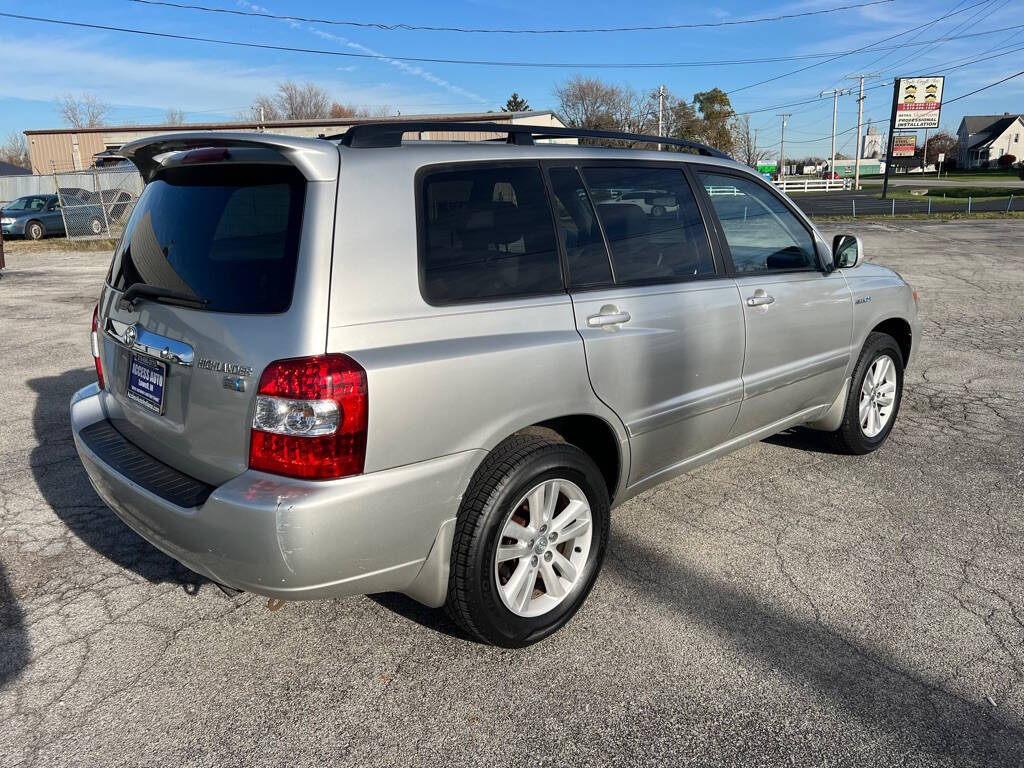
{"x":653,"y":202}
{"x":456,"y":417}
{"x":116,"y":201}
{"x":36,"y":216}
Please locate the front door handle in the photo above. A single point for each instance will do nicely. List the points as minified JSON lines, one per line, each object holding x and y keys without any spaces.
{"x":760,"y":299}
{"x":608,"y":318}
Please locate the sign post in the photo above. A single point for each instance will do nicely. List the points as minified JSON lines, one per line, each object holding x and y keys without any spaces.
{"x":916,"y":104}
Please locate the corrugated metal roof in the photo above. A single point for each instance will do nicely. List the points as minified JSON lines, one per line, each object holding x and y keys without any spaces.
{"x":6,"y":169}
{"x":271,"y":124}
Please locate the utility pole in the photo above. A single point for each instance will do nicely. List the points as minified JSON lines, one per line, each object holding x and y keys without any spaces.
{"x":924,"y":152}
{"x":661,"y":113}
{"x":836,"y":93}
{"x":782,"y":144}
{"x":860,"y":125}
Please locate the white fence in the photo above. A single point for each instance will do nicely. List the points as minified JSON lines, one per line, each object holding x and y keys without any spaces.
{"x":813,"y":185}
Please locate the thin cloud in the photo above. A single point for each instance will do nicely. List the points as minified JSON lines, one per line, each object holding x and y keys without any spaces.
{"x":404,"y":67}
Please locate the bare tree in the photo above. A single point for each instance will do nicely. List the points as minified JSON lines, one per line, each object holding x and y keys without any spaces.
{"x":351,"y":110}
{"x":85,"y":111}
{"x":744,"y":143}
{"x":302,"y":101}
{"x":174,"y":116}
{"x":15,"y":150}
{"x":298,"y":101}
{"x":587,"y":102}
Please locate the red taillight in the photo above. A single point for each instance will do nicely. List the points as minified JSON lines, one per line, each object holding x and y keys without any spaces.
{"x":310,"y":419}
{"x":95,"y":343}
{"x":205,"y":155}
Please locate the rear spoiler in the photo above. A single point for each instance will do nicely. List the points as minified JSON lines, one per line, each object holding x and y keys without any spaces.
{"x":316,"y":159}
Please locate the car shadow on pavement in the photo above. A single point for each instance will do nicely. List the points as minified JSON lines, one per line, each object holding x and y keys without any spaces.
{"x":431,"y":618}
{"x":865,"y":682}
{"x":14,"y":648}
{"x":803,"y":439}
{"x":64,"y":485}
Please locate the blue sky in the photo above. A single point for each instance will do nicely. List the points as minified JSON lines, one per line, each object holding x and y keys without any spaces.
{"x":142,"y":77}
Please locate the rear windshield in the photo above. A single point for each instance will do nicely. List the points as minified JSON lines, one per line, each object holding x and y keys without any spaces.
{"x":228,"y":235}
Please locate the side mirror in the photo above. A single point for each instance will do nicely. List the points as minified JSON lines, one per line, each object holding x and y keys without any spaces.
{"x":847,"y":251}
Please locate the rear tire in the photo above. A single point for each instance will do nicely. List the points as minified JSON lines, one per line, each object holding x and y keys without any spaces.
{"x":524,"y":476}
{"x":34,"y":230}
{"x":872,"y":405}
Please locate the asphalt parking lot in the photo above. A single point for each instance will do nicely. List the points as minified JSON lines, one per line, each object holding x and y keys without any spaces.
{"x":784,"y":606}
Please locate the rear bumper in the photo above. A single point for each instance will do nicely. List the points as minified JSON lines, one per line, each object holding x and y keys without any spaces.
{"x":293,"y":539}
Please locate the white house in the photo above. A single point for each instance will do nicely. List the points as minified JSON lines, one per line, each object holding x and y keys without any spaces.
{"x":983,"y":139}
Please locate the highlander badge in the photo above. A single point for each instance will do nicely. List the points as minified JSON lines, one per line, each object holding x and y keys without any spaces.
{"x":220,"y":367}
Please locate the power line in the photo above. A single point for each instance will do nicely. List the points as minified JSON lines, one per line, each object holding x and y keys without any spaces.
{"x":471,"y":62}
{"x":858,"y":50}
{"x":949,"y":68}
{"x":984,"y":88}
{"x":944,"y":103}
{"x":504,"y":31}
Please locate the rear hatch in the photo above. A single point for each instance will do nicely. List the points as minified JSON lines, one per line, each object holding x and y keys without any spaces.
{"x":224,"y":266}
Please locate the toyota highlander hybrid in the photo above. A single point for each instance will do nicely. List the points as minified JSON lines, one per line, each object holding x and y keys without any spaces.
{"x":362,"y":364}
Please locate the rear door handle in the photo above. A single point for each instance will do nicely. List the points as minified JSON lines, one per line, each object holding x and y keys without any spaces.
{"x":608,"y":317}
{"x":760,"y":299}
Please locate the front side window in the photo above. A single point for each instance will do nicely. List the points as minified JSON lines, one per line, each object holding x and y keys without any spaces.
{"x":762,"y":233}
{"x":487,"y":234}
{"x":650,"y":217}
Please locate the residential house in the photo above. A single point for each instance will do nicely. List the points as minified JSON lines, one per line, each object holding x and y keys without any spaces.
{"x":983,"y":139}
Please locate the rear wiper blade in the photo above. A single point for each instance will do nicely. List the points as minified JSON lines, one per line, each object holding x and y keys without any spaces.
{"x":156,"y":292}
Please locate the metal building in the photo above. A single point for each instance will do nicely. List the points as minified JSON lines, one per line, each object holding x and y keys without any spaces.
{"x":77,"y":149}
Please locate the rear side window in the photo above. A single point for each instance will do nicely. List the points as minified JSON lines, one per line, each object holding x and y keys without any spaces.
{"x":229,"y":235}
{"x":763,"y":234}
{"x":652,"y":223}
{"x":578,"y":230}
{"x":487,"y":234}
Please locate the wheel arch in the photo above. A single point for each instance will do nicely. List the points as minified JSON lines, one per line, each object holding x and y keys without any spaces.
{"x":597,"y":438}
{"x":900,"y":330}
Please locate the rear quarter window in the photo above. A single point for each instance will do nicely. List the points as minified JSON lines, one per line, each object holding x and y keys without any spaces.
{"x":486,"y":233}
{"x":226,"y":234}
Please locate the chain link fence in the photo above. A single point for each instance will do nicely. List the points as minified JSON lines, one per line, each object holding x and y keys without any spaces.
{"x":96,"y":205}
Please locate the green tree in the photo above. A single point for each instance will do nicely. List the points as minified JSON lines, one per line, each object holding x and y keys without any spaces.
{"x":716,"y":118}
{"x":516,"y":103}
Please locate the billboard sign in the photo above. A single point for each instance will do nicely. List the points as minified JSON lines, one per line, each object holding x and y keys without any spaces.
{"x":918,"y":102}
{"x":903,"y":145}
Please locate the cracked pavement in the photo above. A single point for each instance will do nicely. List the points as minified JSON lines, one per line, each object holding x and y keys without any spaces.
{"x":783,"y":606}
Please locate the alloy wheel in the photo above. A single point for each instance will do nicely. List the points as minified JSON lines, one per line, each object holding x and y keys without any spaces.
{"x":877,"y":396}
{"x":543,"y":548}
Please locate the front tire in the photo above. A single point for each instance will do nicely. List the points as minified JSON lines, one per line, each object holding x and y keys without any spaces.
{"x":529,"y":541}
{"x":95,"y":226}
{"x":34,"y":230}
{"x":876,"y":390}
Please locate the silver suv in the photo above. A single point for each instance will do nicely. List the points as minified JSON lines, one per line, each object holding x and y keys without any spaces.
{"x":360,"y":364}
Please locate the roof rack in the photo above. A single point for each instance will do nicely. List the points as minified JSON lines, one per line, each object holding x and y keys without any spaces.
{"x":389,"y":134}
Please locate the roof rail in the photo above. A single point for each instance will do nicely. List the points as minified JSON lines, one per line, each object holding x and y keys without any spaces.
{"x":389,"y":134}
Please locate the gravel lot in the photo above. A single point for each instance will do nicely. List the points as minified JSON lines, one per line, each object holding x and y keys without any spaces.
{"x":783,"y":606}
